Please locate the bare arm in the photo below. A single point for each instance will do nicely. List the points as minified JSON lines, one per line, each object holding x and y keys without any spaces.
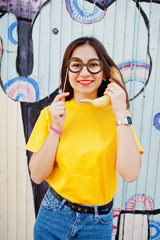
{"x":42,"y":162}
{"x":128,"y":157}
{"x":128,"y":161}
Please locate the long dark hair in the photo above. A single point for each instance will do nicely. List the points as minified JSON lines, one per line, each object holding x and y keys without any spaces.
{"x":103,"y":56}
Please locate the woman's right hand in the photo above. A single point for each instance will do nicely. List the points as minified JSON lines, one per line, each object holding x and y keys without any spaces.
{"x":57,"y":110}
{"x":46,"y":155}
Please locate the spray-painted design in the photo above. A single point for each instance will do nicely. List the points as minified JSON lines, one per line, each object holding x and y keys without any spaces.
{"x":26,"y":12}
{"x":20,"y":88}
{"x":76,"y":11}
{"x":11,"y":28}
{"x":24,"y":64}
{"x":149,"y":1}
{"x":84,"y":12}
{"x":104,"y":4}
{"x":156,"y":229}
{"x":148,"y":204}
{"x":140,"y":198}
{"x":156,"y":121}
{"x":1,"y":48}
{"x":135,"y":74}
{"x":135,"y":71}
{"x":116,"y":212}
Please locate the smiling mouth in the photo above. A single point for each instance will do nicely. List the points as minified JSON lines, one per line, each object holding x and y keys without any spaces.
{"x":85,"y":82}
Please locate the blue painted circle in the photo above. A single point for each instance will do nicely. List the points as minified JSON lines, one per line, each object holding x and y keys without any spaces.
{"x":82,"y":15}
{"x":22,"y":80}
{"x":156,"y":121}
{"x":10,"y":33}
{"x":156,"y":226}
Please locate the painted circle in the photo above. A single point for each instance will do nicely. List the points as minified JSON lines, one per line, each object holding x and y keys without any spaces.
{"x":1,"y":47}
{"x":156,"y":121}
{"x":147,"y":201}
{"x":10,"y":33}
{"x":22,"y":89}
{"x":115,"y":215}
{"x":135,"y":74}
{"x":156,"y":226}
{"x":84,"y":15}
{"x":134,"y":71}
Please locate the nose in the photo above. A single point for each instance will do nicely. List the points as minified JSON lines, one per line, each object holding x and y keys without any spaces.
{"x":84,"y":71}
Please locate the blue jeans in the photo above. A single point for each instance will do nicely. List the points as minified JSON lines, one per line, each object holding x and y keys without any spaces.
{"x":55,"y":221}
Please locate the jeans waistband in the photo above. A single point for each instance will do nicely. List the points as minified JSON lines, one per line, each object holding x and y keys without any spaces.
{"x":102,"y":209}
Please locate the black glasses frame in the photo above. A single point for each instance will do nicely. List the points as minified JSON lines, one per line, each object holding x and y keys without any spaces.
{"x":85,"y":64}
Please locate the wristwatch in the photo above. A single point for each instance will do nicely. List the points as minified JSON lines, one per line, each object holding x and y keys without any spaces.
{"x":124,"y":121}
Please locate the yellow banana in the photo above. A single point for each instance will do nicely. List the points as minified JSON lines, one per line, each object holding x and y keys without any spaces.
{"x":114,"y":73}
{"x":104,"y":100}
{"x":98,"y":102}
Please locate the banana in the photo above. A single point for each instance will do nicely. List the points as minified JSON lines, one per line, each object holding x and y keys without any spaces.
{"x":114,"y":74}
{"x":104,"y":100}
{"x":98,"y":102}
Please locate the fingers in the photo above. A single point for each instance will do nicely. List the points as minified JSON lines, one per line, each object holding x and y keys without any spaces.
{"x":58,"y":103}
{"x":115,"y":83}
{"x":58,"y":110}
{"x":57,"y":106}
{"x":116,"y":93}
{"x":59,"y":113}
{"x":61,"y":97}
{"x":111,"y":80}
{"x":114,"y":88}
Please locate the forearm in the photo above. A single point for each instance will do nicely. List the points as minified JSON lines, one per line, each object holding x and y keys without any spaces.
{"x":128,"y":161}
{"x":42,"y":162}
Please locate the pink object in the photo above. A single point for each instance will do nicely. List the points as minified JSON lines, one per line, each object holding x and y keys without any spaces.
{"x":20,"y":87}
{"x":55,"y":130}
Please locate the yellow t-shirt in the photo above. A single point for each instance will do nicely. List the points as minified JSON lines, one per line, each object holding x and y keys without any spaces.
{"x":84,"y":171}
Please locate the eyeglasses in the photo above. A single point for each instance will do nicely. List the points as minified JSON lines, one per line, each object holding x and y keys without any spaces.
{"x":94,"y":65}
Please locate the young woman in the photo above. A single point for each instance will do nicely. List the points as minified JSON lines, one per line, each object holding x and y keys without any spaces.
{"x":78,"y":148}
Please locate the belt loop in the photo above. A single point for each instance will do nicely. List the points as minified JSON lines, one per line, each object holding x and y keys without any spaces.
{"x":62,"y":203}
{"x":96,"y":212}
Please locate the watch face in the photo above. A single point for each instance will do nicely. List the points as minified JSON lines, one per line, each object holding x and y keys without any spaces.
{"x":129,"y":120}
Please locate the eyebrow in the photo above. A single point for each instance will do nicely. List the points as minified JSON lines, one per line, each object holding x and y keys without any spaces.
{"x":77,"y":59}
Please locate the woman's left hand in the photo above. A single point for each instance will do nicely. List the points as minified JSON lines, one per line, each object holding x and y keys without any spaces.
{"x":128,"y":160}
{"x":118,"y":99}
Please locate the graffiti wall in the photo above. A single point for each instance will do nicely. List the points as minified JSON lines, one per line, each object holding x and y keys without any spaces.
{"x":33,"y":37}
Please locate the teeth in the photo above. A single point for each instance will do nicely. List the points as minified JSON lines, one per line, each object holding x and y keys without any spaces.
{"x":85,"y":82}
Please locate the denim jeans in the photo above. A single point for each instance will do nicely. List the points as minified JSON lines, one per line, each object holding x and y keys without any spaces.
{"x":55,"y":221}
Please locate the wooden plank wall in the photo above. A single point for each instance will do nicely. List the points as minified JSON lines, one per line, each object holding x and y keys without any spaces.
{"x":16,"y":201}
